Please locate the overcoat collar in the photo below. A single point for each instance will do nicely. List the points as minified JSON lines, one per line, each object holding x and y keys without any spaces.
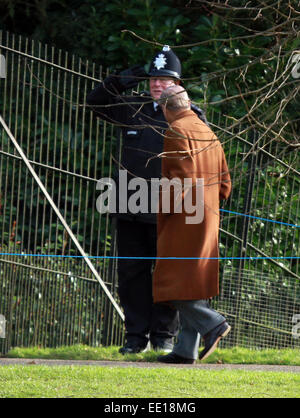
{"x":179,"y":115}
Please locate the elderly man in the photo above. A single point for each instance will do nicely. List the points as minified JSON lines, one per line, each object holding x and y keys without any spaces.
{"x":191,"y":152}
{"x":142,"y":124}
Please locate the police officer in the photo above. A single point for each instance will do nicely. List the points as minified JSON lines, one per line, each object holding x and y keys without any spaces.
{"x":142,"y":124}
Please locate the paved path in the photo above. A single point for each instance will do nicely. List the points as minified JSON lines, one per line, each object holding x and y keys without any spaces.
{"x":253,"y":367}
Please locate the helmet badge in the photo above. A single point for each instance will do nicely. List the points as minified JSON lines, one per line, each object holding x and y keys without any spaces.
{"x":160,"y":61}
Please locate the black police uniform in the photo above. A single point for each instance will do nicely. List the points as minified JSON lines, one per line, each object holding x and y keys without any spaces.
{"x":142,"y":125}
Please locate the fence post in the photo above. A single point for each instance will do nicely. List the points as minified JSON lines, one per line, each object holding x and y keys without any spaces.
{"x":252,"y":158}
{"x":109,"y":336}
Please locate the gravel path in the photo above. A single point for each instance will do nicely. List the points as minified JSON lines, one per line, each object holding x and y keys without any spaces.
{"x":253,"y":367}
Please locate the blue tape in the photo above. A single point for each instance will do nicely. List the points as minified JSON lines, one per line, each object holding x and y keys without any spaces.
{"x":176,"y":258}
{"x":261,"y":219}
{"x":154,"y":258}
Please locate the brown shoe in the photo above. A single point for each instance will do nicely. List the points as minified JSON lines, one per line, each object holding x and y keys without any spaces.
{"x":173,"y":358}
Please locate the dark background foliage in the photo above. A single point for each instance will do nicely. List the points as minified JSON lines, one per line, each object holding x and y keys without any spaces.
{"x":239,"y":45}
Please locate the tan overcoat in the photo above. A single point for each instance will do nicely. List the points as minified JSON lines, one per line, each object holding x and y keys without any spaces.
{"x":191,"y":150}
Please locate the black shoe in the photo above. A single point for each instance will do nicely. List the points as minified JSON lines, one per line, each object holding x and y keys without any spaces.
{"x":130,"y":348}
{"x":163,"y":346}
{"x":173,"y":358}
{"x":212,"y":338}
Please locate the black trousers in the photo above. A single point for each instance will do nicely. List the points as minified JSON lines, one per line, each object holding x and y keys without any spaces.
{"x":144,"y":320}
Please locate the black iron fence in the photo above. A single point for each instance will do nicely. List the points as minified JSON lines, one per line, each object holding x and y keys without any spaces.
{"x":48,"y":294}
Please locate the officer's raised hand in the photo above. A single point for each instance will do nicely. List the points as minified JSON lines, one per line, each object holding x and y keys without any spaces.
{"x":130,"y":78}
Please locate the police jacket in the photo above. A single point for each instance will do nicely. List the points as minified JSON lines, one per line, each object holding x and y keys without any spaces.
{"x":142,"y":124}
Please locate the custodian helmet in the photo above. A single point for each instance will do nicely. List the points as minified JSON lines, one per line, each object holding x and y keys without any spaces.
{"x":165,"y":64}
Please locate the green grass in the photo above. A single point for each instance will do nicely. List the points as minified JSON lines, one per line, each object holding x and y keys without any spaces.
{"x":131,"y":382}
{"x":236,"y":355}
{"x":34,"y":381}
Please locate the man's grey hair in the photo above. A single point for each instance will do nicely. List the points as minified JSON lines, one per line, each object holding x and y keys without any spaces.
{"x":175,"y":98}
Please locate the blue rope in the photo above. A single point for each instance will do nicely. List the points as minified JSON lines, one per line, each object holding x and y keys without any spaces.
{"x":154,"y":258}
{"x":177,"y":258}
{"x":261,"y":219}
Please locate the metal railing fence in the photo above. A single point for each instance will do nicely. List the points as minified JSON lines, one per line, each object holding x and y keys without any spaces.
{"x":52,"y":301}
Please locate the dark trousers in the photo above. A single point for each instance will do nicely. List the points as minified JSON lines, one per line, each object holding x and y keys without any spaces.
{"x":144,"y":320}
